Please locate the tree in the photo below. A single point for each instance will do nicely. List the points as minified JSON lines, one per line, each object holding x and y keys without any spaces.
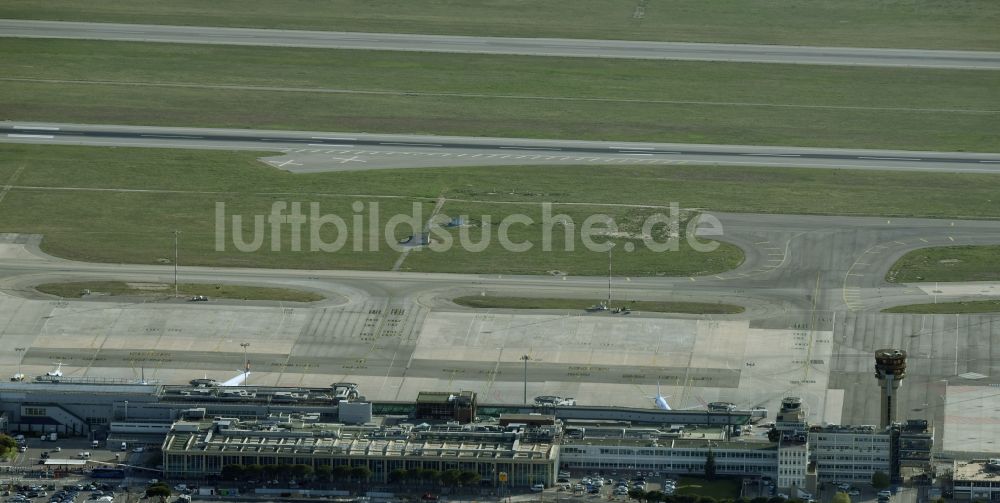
{"x":655,"y":496}
{"x":7,"y":445}
{"x":361,"y":473}
{"x":637,"y":494}
{"x":233,"y":472}
{"x":302,"y":472}
{"x":283,"y":471}
{"x":710,"y":465}
{"x":430,"y":475}
{"x":158,"y":490}
{"x":323,"y":473}
{"x":398,"y":475}
{"x":880,"y":480}
{"x":774,"y":435}
{"x":415,"y":474}
{"x":450,"y":477}
{"x":253,"y":472}
{"x":341,"y":472}
{"x":468,"y":478}
{"x":841,"y":497}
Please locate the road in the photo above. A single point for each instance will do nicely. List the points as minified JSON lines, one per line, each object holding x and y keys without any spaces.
{"x":974,"y":60}
{"x":306,"y":151}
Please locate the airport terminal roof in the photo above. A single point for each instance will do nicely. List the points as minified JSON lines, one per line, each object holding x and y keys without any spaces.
{"x":976,"y":470}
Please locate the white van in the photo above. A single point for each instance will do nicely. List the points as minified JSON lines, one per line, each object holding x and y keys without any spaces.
{"x":124,"y":447}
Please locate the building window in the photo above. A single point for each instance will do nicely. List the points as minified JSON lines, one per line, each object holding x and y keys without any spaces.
{"x":35,"y":412}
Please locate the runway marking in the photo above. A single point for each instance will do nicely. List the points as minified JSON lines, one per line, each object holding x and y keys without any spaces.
{"x":637,"y":154}
{"x":983,"y":161}
{"x":328,"y":145}
{"x":290,"y":162}
{"x":692,"y":279}
{"x":533,"y":148}
{"x":775,"y":155}
{"x":336,"y":138}
{"x":10,"y":182}
{"x":40,"y":128}
{"x":890,"y":158}
{"x":899,"y":242}
{"x":761,"y":242}
{"x":35,"y":136}
{"x":410,"y":144}
{"x":345,"y":160}
{"x":632,"y":148}
{"x":171,"y":136}
{"x":951,"y":238}
{"x":924,"y":240}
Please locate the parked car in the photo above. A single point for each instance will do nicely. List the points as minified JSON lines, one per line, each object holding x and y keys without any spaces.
{"x":537,"y":488}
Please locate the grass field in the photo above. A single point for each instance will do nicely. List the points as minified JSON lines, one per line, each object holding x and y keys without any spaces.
{"x":719,"y":489}
{"x":220,"y":291}
{"x":966,"y":24}
{"x":392,"y":92}
{"x":486,"y":302}
{"x":123,"y":204}
{"x":969,"y":307}
{"x":948,"y":263}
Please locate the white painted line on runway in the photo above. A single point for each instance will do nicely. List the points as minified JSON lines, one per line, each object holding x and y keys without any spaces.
{"x":532,"y":148}
{"x":991,"y":161}
{"x":328,"y":145}
{"x":172,"y":136}
{"x":333,"y":138}
{"x":36,"y":136}
{"x":632,"y":148}
{"x":40,"y":128}
{"x":638,"y":154}
{"x":891,"y":158}
{"x":411,"y":144}
{"x":775,"y":155}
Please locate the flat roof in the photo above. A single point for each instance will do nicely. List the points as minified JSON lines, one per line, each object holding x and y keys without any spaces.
{"x":74,"y":462}
{"x":975,"y":470}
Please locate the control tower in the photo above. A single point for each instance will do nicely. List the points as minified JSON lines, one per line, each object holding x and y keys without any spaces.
{"x":890,"y":369}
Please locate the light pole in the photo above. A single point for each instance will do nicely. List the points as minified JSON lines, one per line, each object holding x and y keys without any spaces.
{"x":20,"y":357}
{"x":177,"y":234}
{"x":609,"y":274}
{"x":246,"y":363}
{"x":525,"y":358}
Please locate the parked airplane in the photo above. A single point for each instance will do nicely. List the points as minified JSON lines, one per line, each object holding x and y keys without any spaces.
{"x":660,"y":400}
{"x":239,"y":379}
{"x":57,"y":372}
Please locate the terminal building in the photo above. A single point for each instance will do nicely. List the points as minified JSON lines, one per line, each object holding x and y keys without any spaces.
{"x":204,"y":427}
{"x":977,"y":480}
{"x":527,"y":454}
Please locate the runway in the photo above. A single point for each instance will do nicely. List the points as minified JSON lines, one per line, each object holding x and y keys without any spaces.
{"x":313,"y":151}
{"x":581,"y":48}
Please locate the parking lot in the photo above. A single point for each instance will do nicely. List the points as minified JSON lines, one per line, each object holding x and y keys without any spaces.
{"x":26,"y":477}
{"x":609,"y":484}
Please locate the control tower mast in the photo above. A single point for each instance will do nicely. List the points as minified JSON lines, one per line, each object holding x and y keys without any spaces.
{"x":890,"y":369}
